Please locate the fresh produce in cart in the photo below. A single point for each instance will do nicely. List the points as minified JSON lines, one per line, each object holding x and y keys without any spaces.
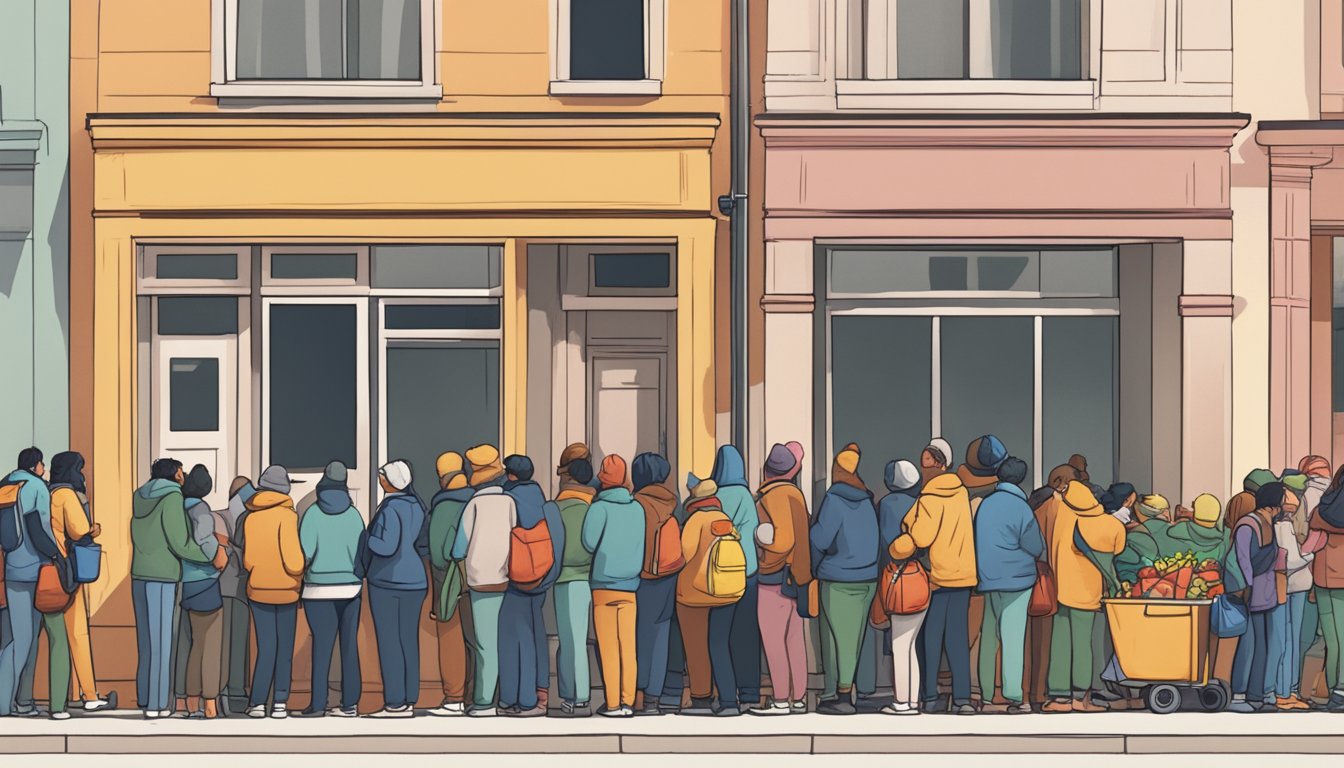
{"x":1178,"y":577}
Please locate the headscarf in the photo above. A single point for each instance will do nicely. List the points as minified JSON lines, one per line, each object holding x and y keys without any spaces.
{"x":67,"y":469}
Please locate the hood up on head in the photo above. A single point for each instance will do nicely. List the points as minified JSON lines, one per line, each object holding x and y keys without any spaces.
{"x":729,"y":468}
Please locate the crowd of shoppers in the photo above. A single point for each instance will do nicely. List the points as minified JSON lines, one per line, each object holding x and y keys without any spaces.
{"x":944,"y":570}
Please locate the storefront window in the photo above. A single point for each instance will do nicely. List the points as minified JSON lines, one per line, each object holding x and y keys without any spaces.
{"x":196,"y":266}
{"x":1047,"y":273}
{"x":988,"y":382}
{"x":193,"y":394}
{"x":1078,"y":392}
{"x":442,"y":317}
{"x":197,"y":315}
{"x":314,"y":266}
{"x":437,"y":266}
{"x":312,"y":408}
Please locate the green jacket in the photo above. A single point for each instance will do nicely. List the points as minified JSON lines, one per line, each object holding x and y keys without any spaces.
{"x":1189,"y":536}
{"x":576,"y":562}
{"x":445,"y":515}
{"x":1140,"y":550}
{"x":160,"y":537}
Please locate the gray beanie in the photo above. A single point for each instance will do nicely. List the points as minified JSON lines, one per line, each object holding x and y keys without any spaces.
{"x":901,"y":475}
{"x":274,"y":478}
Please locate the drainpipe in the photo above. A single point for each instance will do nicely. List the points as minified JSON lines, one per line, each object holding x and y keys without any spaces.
{"x":734,"y":206}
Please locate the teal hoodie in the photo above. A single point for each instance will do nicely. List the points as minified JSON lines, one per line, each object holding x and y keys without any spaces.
{"x":160,"y":537}
{"x":445,"y":515}
{"x":329,"y":534}
{"x":739,"y":504}
{"x":613,"y":530}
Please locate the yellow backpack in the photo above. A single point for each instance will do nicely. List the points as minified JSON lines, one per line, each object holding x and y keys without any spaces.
{"x":726,"y":567}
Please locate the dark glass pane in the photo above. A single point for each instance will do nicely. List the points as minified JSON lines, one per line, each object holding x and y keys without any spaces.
{"x":1007,"y":273}
{"x":196,"y":266}
{"x":312,"y":385}
{"x":382,"y":39}
{"x":606,"y":40}
{"x":1036,"y":39}
{"x":193,"y":394}
{"x":989,"y":382}
{"x":931,"y":39}
{"x":1088,"y":273}
{"x":1078,"y":391}
{"x":441,"y":316}
{"x":436,"y":266}
{"x":632,"y":270}
{"x":881,"y":389}
{"x":328,"y":40}
{"x":314,"y":266}
{"x":948,"y":273}
{"x":440,"y":399}
{"x":198,"y":315}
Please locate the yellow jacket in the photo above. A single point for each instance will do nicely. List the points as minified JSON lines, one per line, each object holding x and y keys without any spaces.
{"x":941,"y":523}
{"x":69,"y":521}
{"x":272,"y":554}
{"x":706,"y":523}
{"x":1080,"y":583}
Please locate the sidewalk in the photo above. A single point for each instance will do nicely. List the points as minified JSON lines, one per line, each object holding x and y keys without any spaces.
{"x":1100,"y":734}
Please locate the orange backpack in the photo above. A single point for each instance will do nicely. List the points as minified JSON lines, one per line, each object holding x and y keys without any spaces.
{"x":531,"y":555}
{"x":666,"y":558}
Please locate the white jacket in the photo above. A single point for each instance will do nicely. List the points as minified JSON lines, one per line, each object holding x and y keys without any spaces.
{"x":1298,"y":564}
{"x":483,"y":538}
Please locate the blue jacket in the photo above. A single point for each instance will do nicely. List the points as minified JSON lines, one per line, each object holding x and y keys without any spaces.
{"x":891,"y":514}
{"x":1008,"y":541}
{"x":532,"y":509}
{"x":613,"y":530}
{"x":739,"y":504}
{"x":398,"y":543}
{"x":22,"y":564}
{"x":844,"y":536}
{"x":329,"y":532}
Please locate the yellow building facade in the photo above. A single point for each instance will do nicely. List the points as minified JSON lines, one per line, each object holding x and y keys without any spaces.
{"x":384,"y":229}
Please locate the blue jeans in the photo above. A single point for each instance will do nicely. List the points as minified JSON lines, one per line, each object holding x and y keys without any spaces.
{"x":328,"y":620}
{"x":275,"y":626}
{"x":721,"y":622}
{"x":20,"y":641}
{"x":573,"y":613}
{"x":396,"y":624}
{"x":657,"y":599}
{"x":155,"y":605}
{"x":746,"y":644}
{"x":1295,"y":653}
{"x":946,"y":630}
{"x":870,"y":651}
{"x":524,"y":664}
{"x":1250,"y":663}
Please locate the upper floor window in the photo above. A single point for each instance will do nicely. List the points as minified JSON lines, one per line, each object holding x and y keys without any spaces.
{"x":607,"y":47}
{"x":337,"y":48}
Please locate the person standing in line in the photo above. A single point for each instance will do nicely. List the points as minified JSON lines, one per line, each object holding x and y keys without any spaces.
{"x":273,"y":558}
{"x":1243,"y":503}
{"x":978,"y":473}
{"x":613,"y":531}
{"x":1255,"y":551}
{"x":482,"y":545}
{"x":573,"y":595}
{"x":233,"y":587}
{"x":903,"y":481}
{"x":1327,"y":572}
{"x":935,"y":459}
{"x":161,"y":542}
{"x":1075,"y":518}
{"x":450,"y":611}
{"x":524,"y":656}
{"x":330,"y":532}
{"x":730,"y":475}
{"x":844,"y":548}
{"x":785,"y":564}
{"x":1317,"y":470}
{"x":1285,"y":623}
{"x":397,"y":545}
{"x":704,"y":612}
{"x":201,"y":604}
{"x":72,"y":524}
{"x":1040,"y":628}
{"x":657,"y":591}
{"x":1008,"y":543}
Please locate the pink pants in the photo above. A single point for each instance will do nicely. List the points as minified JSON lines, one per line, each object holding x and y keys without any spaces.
{"x":782,"y":637}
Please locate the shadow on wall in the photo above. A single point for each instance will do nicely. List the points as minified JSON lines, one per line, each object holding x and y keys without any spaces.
{"x":58,"y":240}
{"x":11,"y":254}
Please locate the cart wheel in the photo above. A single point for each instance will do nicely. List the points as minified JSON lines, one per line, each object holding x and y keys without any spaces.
{"x":1162,"y":699}
{"x":1213,"y":698}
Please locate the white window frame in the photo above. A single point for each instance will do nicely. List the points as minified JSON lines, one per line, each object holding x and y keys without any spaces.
{"x":320,"y":286}
{"x":867,"y":78}
{"x":150,"y":284}
{"x":655,"y":37}
{"x":225,"y":84}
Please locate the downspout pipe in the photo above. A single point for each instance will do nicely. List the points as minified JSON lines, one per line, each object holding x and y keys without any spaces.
{"x":734,"y":206}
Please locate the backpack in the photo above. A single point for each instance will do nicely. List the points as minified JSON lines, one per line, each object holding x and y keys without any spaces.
{"x":531,"y":555}
{"x":11,"y":517}
{"x":726,"y":567}
{"x":666,"y":558}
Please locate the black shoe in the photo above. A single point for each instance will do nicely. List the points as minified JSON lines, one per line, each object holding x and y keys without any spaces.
{"x":728,"y":710}
{"x":311,"y":713}
{"x":868,"y":705}
{"x":699,"y":708}
{"x":650,"y":708}
{"x":835,"y":707}
{"x":1335,"y":703}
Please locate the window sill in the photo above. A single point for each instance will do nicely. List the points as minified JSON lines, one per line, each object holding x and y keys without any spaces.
{"x":326,"y":90}
{"x":966,"y":94}
{"x":606,"y":87}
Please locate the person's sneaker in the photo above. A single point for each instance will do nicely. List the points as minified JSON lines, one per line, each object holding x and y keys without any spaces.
{"x":449,"y":709}
{"x":97,"y":705}
{"x":507,"y":711}
{"x":1240,"y":706}
{"x":342,"y":712}
{"x":1335,"y":703}
{"x":613,"y":712}
{"x":867,"y":705}
{"x":305,"y":713}
{"x":899,"y":709}
{"x":28,"y":712}
{"x":62,"y":715}
{"x":198,"y":715}
{"x":772,"y":708}
{"x":1058,"y":706}
{"x":1018,"y":708}
{"x":835,"y":706}
{"x":699,"y":708}
{"x":537,"y":711}
{"x":394,"y":712}
{"x":257,"y":711}
{"x":1085,"y":705}
{"x":798,"y":707}
{"x":573,"y":709}
{"x":649,"y":709}
{"x":482,"y":712}
{"x":965,"y":709}
{"x":279,"y":712}
{"x":151,"y":714}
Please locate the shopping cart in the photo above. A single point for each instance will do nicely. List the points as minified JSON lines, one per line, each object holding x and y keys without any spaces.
{"x":1162,"y":648}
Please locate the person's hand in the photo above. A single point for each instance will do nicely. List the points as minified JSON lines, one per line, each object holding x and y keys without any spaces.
{"x":221,"y":559}
{"x":96,"y":530}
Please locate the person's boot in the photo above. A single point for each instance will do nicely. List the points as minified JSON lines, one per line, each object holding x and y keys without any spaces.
{"x":868,"y":705}
{"x":837,"y":706}
{"x":699,"y":707}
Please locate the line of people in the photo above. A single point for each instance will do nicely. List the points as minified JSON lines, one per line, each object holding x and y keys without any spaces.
{"x":679,"y":594}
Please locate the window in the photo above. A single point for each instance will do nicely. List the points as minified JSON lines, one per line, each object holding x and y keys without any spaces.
{"x":340,"y":48}
{"x":315,"y":266}
{"x":196,"y":266}
{"x":313,"y":383}
{"x":608,"y":47}
{"x":195,"y":269}
{"x":1006,"y":272}
{"x":193,"y":394}
{"x":197,"y":315}
{"x":442,"y":317}
{"x":462,"y":267}
{"x":629,"y":273}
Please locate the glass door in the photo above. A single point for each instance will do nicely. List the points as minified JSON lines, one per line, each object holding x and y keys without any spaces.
{"x":195,"y":408}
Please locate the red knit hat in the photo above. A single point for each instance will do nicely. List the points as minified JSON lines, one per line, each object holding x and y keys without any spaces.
{"x":613,"y":473}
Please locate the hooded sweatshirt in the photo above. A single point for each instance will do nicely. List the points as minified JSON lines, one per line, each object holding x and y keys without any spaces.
{"x":891,"y":514}
{"x":781,"y":504}
{"x":941,"y":523}
{"x":398,"y":543}
{"x":482,"y":541}
{"x":574,"y":500}
{"x":329,"y":533}
{"x":648,"y":473}
{"x":22,"y":564}
{"x":160,"y":537}
{"x":445,"y":516}
{"x":1142,"y":547}
{"x":613,"y":530}
{"x":1189,"y":536}
{"x":272,"y":555}
{"x":202,"y":523}
{"x":1008,"y":541}
{"x":532,"y":510}
{"x":730,"y":475}
{"x":843,"y":537}
{"x":1080,"y":582}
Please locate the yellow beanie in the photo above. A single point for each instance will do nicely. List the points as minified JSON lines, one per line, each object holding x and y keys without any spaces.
{"x":485,"y":464}
{"x":1207,"y":510}
{"x":848,"y":460}
{"x":1153,"y":506}
{"x":448,"y":463}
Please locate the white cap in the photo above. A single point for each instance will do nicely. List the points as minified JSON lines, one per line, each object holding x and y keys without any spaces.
{"x":398,"y":473}
{"x":904,"y":475}
{"x":945,"y":448}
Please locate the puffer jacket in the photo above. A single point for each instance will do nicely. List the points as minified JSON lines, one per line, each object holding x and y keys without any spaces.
{"x":1080,"y":582}
{"x":941,"y":523}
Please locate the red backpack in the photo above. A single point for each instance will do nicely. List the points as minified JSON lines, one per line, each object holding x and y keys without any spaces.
{"x":531,"y":555}
{"x":666,"y":557}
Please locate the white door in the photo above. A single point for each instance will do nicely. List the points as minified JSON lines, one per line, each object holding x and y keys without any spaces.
{"x":626,"y":405}
{"x":315,"y":391}
{"x":196,"y":406}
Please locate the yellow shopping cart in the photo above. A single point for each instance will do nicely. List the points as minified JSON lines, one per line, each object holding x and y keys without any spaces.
{"x":1162,"y":647}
